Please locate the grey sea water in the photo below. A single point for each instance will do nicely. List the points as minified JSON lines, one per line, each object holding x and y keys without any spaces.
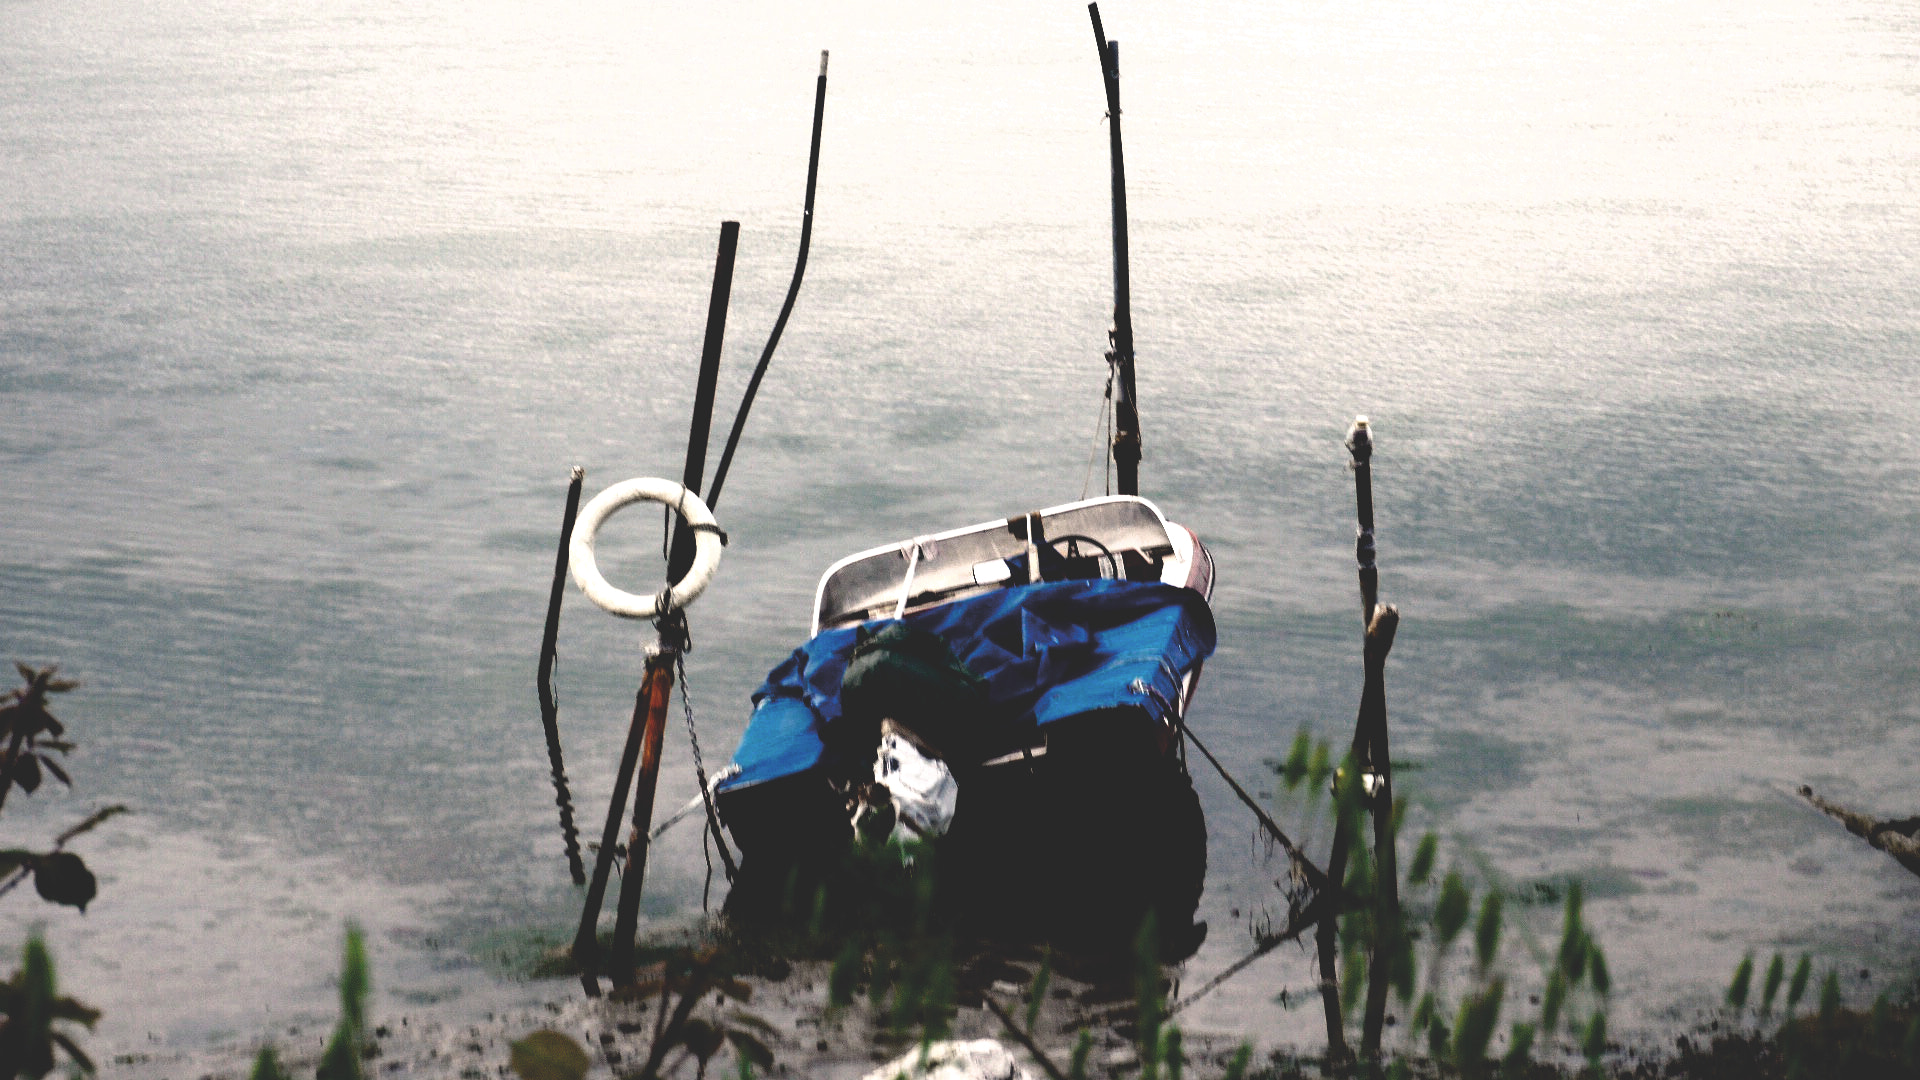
{"x":305,"y":310}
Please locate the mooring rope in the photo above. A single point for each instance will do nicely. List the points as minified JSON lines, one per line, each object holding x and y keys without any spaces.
{"x":700,"y":770}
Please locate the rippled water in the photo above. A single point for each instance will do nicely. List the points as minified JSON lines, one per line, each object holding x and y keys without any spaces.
{"x":305,"y":311}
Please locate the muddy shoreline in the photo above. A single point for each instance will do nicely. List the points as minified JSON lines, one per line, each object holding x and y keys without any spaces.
{"x":810,"y":1040}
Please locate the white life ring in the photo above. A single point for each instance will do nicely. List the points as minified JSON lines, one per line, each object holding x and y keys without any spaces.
{"x":706,"y":546}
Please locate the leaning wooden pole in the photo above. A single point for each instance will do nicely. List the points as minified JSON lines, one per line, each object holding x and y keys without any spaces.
{"x":586,"y":941}
{"x":1126,"y":424}
{"x":656,"y":690}
{"x":793,"y":291}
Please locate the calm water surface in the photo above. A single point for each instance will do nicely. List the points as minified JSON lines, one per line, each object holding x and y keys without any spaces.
{"x":306,"y":309}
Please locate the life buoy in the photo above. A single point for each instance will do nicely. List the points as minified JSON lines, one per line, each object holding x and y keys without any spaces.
{"x":706,"y":547}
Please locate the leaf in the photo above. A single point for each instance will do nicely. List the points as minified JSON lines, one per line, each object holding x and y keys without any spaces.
{"x":26,"y":773}
{"x":1550,"y":1002}
{"x":1318,"y":766}
{"x":1776,"y":972}
{"x":53,"y":767}
{"x":548,"y":1055}
{"x":1077,"y":1064}
{"x":1597,"y":968}
{"x":74,"y":1052}
{"x":701,"y":1038}
{"x":341,"y":1060}
{"x":750,"y":1049}
{"x":1450,"y":914}
{"x":1797,"y":989}
{"x":63,"y":879}
{"x":746,"y":1019}
{"x":1486,"y":934}
{"x":1295,"y":769}
{"x":1037,"y":994}
{"x":354,"y":981}
{"x":1423,"y":856}
{"x":1742,"y":978}
{"x":1423,"y":1013}
{"x":1473,"y":1029}
{"x":1571,"y":936}
{"x":1829,"y":998}
{"x":1594,"y":1042}
{"x":1519,"y":1048}
{"x":68,"y":1009}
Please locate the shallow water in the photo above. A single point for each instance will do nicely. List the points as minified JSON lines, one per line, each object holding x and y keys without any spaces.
{"x":306,"y":311}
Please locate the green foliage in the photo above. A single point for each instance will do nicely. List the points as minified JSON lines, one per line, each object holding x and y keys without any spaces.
{"x":32,"y":1005}
{"x":1797,"y":988}
{"x":1594,"y":1042}
{"x":341,"y":1059}
{"x":32,"y":744}
{"x":1295,"y":768}
{"x":1077,"y":1064}
{"x":1486,"y":934}
{"x":1237,"y":1066}
{"x":1450,"y":914}
{"x":548,"y":1055}
{"x":1829,"y":998}
{"x":1318,"y":766}
{"x":1037,"y":994}
{"x":266,"y":1066}
{"x":1473,"y":1028}
{"x":30,"y":733}
{"x":1519,"y":1050}
{"x":1776,"y":973}
{"x":1742,"y":976}
{"x":1421,"y":869}
{"x":1171,"y":1054}
{"x":1432,"y":919}
{"x":1552,"y":1000}
{"x":1423,"y":1013}
{"x":844,"y":976}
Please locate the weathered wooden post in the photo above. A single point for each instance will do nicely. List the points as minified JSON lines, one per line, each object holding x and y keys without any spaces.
{"x":549,"y":705}
{"x":1126,"y":424}
{"x":1370,"y":745}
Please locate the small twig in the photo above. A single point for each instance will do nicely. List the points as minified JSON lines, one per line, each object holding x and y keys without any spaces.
{"x":1267,"y":945}
{"x":1039,"y":1058}
{"x":60,"y":842}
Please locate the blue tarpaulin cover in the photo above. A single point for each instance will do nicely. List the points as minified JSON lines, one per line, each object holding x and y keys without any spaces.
{"x":1046,"y":652}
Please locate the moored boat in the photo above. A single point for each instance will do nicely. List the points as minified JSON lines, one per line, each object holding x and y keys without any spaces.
{"x":1011,"y":693}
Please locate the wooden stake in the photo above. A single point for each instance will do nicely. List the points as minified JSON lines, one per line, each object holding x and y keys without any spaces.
{"x":549,"y":705}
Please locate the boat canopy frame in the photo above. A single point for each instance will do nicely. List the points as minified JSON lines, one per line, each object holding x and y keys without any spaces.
{"x":1132,"y":540}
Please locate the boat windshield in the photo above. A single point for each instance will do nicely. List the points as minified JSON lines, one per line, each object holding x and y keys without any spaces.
{"x":1119,"y":536}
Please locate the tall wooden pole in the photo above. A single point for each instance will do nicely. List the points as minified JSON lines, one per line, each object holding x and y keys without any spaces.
{"x":1126,"y":425}
{"x":1371,"y":755}
{"x":696,"y":466}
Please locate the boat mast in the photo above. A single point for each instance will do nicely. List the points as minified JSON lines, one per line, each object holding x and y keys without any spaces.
{"x":1126,"y":433}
